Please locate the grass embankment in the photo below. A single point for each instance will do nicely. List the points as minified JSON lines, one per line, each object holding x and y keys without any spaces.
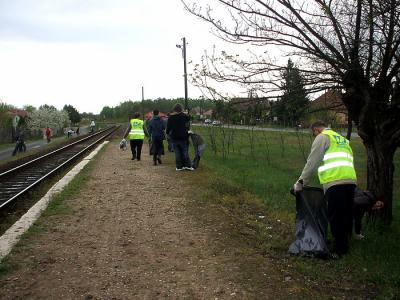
{"x":264,"y":166}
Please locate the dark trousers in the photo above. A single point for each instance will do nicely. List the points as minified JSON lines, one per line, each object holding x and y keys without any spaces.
{"x":198,"y":150}
{"x":340,"y":214}
{"x":196,"y":161}
{"x":358,"y":215}
{"x":136,"y":148}
{"x":181,"y":149}
{"x":158,"y":148}
{"x":19,"y":147}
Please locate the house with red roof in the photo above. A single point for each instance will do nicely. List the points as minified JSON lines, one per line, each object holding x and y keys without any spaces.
{"x":16,"y":115}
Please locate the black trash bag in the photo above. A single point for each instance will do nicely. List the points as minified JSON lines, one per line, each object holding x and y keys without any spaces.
{"x":311,"y":223}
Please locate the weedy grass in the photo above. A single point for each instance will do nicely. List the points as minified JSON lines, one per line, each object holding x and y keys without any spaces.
{"x":266,"y":164}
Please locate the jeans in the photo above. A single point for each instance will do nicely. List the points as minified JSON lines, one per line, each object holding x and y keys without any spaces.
{"x":19,"y":147}
{"x":181,"y":149}
{"x":198,"y":151}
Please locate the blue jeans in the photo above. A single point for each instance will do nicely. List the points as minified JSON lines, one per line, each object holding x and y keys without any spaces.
{"x":198,"y":151}
{"x":181,"y":149}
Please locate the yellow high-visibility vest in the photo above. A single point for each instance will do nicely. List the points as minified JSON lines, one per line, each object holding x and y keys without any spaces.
{"x":136,"y":132}
{"x":337,"y":163}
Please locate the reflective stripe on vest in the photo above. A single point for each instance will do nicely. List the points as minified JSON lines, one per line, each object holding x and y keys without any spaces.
{"x":337,"y":163}
{"x":136,"y":132}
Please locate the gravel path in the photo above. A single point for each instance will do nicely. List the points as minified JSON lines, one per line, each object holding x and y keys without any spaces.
{"x":128,"y":237}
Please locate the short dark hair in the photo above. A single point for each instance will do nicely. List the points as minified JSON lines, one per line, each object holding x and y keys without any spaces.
{"x":318,"y":124}
{"x":155,"y":112}
{"x":178,"y":108}
{"x":136,"y":115}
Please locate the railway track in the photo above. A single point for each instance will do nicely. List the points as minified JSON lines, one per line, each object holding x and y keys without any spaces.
{"x":17,"y":181}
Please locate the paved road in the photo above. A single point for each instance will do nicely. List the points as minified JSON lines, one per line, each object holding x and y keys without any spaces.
{"x":354,"y":134}
{"x":6,"y":153}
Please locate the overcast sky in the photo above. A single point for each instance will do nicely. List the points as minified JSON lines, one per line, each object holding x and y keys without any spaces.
{"x":93,"y":53}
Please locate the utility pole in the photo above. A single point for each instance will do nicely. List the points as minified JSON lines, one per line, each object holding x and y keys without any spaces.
{"x":183,"y":47}
{"x":142,"y":103}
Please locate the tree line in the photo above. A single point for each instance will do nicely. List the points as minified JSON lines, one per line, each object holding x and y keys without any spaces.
{"x":123,"y":111}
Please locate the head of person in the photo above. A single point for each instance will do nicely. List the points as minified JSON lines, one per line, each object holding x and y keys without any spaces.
{"x":135,"y":115}
{"x":317,"y":127}
{"x":155,"y":112}
{"x":178,"y":108}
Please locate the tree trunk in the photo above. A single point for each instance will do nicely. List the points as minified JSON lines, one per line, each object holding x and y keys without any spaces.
{"x":349,"y":128}
{"x":380,"y":169}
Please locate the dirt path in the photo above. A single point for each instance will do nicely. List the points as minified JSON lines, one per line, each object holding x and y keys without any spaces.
{"x":127,"y":237}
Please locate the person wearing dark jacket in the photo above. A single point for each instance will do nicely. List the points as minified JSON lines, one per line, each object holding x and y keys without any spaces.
{"x":177,"y":128}
{"x":364,"y":201}
{"x":20,"y":144}
{"x":156,"y":129}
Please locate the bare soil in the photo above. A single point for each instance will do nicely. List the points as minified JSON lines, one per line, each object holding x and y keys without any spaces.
{"x":128,"y":236}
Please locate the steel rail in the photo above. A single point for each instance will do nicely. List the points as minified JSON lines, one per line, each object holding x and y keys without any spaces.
{"x":103,"y":134}
{"x":17,"y":168}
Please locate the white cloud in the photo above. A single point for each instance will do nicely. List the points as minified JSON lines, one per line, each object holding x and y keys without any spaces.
{"x":95,"y":53}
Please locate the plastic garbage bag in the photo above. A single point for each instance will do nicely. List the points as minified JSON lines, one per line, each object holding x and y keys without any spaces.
{"x":311,"y":223}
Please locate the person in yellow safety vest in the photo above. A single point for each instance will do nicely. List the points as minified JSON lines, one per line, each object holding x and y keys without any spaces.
{"x":332,"y":156}
{"x":136,"y":133}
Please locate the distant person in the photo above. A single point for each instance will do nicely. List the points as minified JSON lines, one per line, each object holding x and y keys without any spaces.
{"x":70,"y":132}
{"x":92,"y":126}
{"x":47,"y":133}
{"x":77,"y":131}
{"x":177,"y":128}
{"x":136,"y":133}
{"x":20,"y":143}
{"x":156,"y":130}
{"x":199,"y":146}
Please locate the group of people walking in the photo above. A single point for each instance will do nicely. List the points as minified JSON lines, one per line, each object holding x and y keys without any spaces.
{"x":331,"y":155}
{"x":177,"y":128}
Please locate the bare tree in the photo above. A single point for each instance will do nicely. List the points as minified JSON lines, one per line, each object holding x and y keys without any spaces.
{"x":352,"y":45}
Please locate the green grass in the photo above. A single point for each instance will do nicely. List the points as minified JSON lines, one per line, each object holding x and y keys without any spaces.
{"x":6,"y":146}
{"x":267,"y":164}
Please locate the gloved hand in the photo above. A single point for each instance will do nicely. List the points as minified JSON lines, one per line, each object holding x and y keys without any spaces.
{"x":123,"y":141}
{"x":298,"y":186}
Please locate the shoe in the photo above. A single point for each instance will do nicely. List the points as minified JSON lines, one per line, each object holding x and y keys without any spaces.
{"x":335,"y":256}
{"x":189,"y":168}
{"x":132,"y":158}
{"x":179,"y":169}
{"x":159,"y":161}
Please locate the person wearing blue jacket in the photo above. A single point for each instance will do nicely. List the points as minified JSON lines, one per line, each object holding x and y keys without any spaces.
{"x":156,"y":130}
